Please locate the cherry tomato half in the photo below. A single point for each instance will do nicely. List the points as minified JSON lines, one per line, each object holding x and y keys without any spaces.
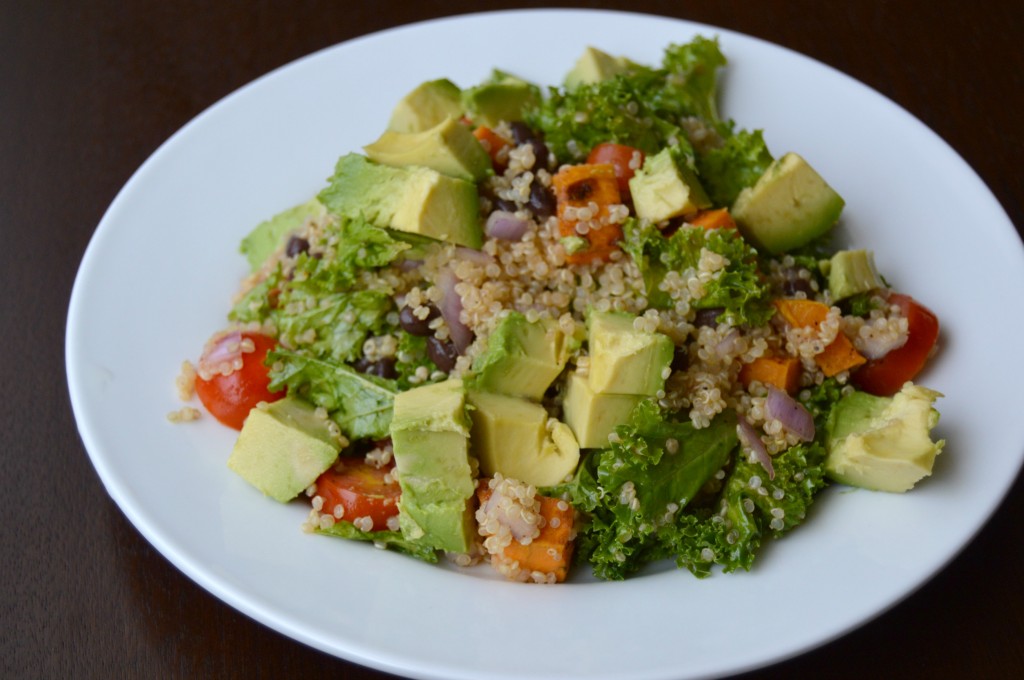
{"x":620,"y":156}
{"x":361,"y":489}
{"x":885,"y":376}
{"x":229,"y":398}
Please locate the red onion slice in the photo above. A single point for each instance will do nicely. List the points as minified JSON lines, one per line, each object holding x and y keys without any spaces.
{"x":791,"y":413}
{"x":750,"y":439}
{"x":451,"y":309}
{"x":221,"y":355}
{"x":476,"y":256}
{"x":504,"y":225}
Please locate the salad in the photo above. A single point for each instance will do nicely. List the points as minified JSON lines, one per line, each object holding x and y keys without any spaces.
{"x":587,"y":326}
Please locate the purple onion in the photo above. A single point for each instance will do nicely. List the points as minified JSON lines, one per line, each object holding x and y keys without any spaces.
{"x":749,"y":438}
{"x":505,"y":226}
{"x":791,"y":413}
{"x":410,"y":265}
{"x":475,"y":256}
{"x":451,"y":308}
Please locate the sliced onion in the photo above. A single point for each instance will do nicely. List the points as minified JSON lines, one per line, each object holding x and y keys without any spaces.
{"x":451,"y":309}
{"x":750,"y":439}
{"x":504,"y":225}
{"x":477,"y":256}
{"x":791,"y":413}
{"x":221,"y":355}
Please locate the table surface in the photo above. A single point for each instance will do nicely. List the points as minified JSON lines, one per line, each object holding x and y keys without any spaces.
{"x":89,"y":90}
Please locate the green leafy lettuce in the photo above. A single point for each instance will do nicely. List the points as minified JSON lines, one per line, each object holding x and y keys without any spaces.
{"x":392,"y":540}
{"x":739,"y":288}
{"x":360,"y":404}
{"x":716,"y":520}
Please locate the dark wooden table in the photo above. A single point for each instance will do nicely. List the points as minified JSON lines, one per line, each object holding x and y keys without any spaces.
{"x":89,"y":90}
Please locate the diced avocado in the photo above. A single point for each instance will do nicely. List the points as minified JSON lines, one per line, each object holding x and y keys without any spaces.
{"x":449,"y":147}
{"x":592,"y":416}
{"x":283,"y":447}
{"x":851,"y":272}
{"x":593,"y":66}
{"x":790,"y":205}
{"x":426,"y":106}
{"x":624,"y":360}
{"x":663,"y":188}
{"x":417,"y":200}
{"x":502,"y":98}
{"x":430,"y":433}
{"x":510,"y":436}
{"x":270,"y":235}
{"x":522,"y":358}
{"x":883,"y":443}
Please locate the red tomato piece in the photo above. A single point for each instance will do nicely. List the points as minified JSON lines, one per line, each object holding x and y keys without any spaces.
{"x":620,"y":157}
{"x":885,"y":376}
{"x":361,"y":489}
{"x":229,"y":398}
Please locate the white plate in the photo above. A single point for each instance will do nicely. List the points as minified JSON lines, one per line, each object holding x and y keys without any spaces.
{"x":158,"y":274}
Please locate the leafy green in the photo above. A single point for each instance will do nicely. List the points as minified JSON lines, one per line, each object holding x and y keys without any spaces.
{"x":257,"y":305}
{"x":411,"y":354}
{"x":739,"y":288}
{"x":339,"y":321}
{"x":360,"y":404}
{"x":618,"y":535}
{"x":392,"y":540}
{"x":738,"y":163}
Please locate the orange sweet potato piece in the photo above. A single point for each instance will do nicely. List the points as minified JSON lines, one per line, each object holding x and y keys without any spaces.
{"x":577,"y":186}
{"x":781,"y":371}
{"x":713,"y":219}
{"x":494,"y":143}
{"x":840,"y":355}
{"x":551,"y":551}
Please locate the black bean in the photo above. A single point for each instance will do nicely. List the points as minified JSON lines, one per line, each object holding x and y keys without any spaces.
{"x":708,"y":317}
{"x":680,"y":359}
{"x":385,"y":368}
{"x":522,"y":134}
{"x":542,"y":201}
{"x":296,"y":245}
{"x":505,"y":205}
{"x":442,"y":353}
{"x":413,"y":325}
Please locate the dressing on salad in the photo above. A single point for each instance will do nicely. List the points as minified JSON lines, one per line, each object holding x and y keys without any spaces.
{"x":594,"y":324}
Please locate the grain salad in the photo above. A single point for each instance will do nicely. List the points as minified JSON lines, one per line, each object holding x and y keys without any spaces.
{"x":550,"y":329}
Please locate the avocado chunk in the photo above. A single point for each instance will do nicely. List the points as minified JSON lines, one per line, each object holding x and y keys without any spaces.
{"x":269,"y":235}
{"x":504,"y":97}
{"x":593,"y":416}
{"x":417,"y":200}
{"x":283,"y":447}
{"x":522,"y":358}
{"x":790,"y":205}
{"x":663,"y":188}
{"x":430,"y":435}
{"x":510,"y":436}
{"x":624,"y":360}
{"x":883,"y":443}
{"x":426,"y":106}
{"x":852,"y":272}
{"x":449,"y":147}
{"x":593,"y":66}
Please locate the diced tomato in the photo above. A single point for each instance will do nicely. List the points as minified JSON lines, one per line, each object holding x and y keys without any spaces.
{"x":229,"y":398}
{"x":620,"y":157}
{"x":361,"y":489}
{"x":885,"y":376}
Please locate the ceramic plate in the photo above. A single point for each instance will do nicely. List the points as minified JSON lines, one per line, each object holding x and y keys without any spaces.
{"x":157,"y":277}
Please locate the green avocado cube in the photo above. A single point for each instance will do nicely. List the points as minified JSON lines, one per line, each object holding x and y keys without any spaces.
{"x":790,"y":205}
{"x":449,"y":147}
{"x":883,"y":443}
{"x":426,"y":106}
{"x":413,"y":199}
{"x":593,"y":66}
{"x":503,"y":97}
{"x":430,"y":433}
{"x":624,"y":360}
{"x":593,"y":416}
{"x":522,"y":358}
{"x":663,"y":189}
{"x":511,"y":436}
{"x":851,"y":272}
{"x":269,"y":235}
{"x":283,"y":447}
